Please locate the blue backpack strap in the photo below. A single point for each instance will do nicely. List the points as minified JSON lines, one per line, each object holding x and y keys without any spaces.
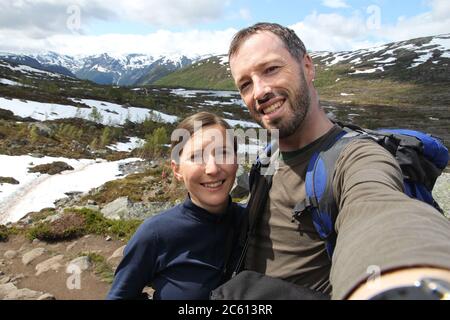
{"x":319,"y":200}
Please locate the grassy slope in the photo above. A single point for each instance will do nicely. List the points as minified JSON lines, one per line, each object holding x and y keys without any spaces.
{"x":207,"y":74}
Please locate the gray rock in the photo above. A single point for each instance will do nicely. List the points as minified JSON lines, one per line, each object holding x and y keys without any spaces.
{"x":49,"y":264}
{"x":91,"y":202}
{"x":23,"y":294}
{"x":52,"y":218}
{"x":136,"y":167}
{"x":143,"y":210}
{"x":5,"y":279}
{"x":123,"y":208}
{"x":28,"y":257}
{"x":118,"y":209}
{"x":108,"y":238}
{"x":441,"y":193}
{"x":10,"y":254}
{"x":6,"y":289}
{"x":83,"y":263}
{"x":42,"y":129}
{"x":17,"y":277}
{"x":70,"y":246}
{"x":46,"y":296}
{"x":117,"y":254}
{"x":36,"y":241}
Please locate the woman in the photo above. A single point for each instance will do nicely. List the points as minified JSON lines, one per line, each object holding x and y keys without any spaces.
{"x":183,"y":252}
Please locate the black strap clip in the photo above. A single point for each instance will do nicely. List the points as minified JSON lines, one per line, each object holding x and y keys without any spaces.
{"x":305,"y":205}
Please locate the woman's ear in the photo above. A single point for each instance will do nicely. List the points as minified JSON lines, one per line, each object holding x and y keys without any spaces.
{"x":176,"y":170}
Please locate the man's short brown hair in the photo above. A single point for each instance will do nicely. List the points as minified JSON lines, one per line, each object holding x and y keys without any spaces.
{"x":290,"y":39}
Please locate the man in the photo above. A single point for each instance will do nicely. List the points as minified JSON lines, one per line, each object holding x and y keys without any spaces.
{"x":379,"y":228}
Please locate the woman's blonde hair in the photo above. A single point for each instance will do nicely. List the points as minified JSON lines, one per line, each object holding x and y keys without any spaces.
{"x":190,"y":124}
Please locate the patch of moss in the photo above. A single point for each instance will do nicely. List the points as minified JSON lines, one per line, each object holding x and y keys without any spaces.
{"x":9,"y":180}
{"x":101,"y":267}
{"x":69,"y":226}
{"x":4,"y":234}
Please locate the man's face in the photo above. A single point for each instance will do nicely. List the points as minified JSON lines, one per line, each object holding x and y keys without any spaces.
{"x":271,"y":82}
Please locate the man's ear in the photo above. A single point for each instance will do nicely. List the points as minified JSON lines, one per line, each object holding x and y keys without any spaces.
{"x":310,"y":70}
{"x":176,"y":170}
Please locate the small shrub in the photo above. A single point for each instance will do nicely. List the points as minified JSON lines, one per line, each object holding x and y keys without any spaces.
{"x":69,"y":226}
{"x":4,"y":234}
{"x":101,"y":266}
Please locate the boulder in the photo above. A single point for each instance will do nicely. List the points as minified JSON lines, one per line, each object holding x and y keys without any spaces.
{"x":42,"y":129}
{"x":6,"y":289}
{"x":83,"y":263}
{"x":28,"y":257}
{"x":118,"y":209}
{"x":49,"y":264}
{"x":10,"y":254}
{"x":23,"y":294}
{"x":46,"y":296}
{"x":117,"y":254}
{"x":5,"y":280}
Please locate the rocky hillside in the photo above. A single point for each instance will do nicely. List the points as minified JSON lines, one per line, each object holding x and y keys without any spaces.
{"x":403,"y":73}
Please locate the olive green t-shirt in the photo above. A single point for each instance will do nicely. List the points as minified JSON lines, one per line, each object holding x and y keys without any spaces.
{"x":378,"y":226}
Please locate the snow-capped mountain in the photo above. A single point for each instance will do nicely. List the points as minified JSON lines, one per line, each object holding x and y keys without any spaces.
{"x":424,"y":59}
{"x":118,"y":69}
{"x":420,"y":59}
{"x":42,"y":64}
{"x":108,"y":69}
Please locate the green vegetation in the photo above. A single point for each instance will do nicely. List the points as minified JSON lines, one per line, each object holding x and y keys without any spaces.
{"x":75,"y":223}
{"x":4,"y":234}
{"x":101,"y":267}
{"x":9,"y":180}
{"x":154,"y":144}
{"x":139,"y":187}
{"x":206,"y":74}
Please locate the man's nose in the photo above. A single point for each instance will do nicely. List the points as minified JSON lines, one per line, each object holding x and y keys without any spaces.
{"x":260,"y":89}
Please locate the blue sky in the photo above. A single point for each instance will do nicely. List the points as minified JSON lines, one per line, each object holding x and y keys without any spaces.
{"x":240,"y":13}
{"x":195,"y":27}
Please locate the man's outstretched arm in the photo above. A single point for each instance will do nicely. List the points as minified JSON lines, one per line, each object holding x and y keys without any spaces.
{"x":382,"y":233}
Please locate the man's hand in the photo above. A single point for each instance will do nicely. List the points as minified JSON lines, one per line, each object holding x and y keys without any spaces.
{"x":395,"y":279}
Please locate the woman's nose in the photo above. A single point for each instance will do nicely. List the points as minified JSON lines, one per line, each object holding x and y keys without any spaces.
{"x":211,"y":166}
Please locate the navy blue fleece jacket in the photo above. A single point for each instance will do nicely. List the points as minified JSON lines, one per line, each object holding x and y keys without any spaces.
{"x":180,"y":253}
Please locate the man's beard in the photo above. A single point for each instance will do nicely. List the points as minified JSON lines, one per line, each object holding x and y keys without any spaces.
{"x":299,"y":106}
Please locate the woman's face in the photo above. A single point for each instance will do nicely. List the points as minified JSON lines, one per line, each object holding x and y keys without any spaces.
{"x":208,"y":168}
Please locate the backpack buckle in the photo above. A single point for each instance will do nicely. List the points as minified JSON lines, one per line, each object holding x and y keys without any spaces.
{"x":305,"y":205}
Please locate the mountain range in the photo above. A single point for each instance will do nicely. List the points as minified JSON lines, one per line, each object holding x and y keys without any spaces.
{"x":425,"y":59}
{"x":106,"y":69}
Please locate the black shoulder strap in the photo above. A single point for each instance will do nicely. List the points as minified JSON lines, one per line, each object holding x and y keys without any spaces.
{"x":260,"y":183}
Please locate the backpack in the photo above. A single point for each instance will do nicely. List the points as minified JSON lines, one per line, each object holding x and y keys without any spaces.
{"x":422,"y":158}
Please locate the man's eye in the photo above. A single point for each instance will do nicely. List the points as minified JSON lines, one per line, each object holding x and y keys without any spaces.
{"x":244,"y":86}
{"x":271,"y":69}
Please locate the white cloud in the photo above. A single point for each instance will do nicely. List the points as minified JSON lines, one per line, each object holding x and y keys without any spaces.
{"x":331,"y":32}
{"x":334,"y":32}
{"x":192,"y":42}
{"x":42,"y":18}
{"x":42,"y":26}
{"x":335,"y":4}
{"x":164,"y":13}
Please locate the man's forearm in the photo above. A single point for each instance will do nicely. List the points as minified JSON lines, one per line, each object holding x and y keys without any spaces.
{"x":396,"y":279}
